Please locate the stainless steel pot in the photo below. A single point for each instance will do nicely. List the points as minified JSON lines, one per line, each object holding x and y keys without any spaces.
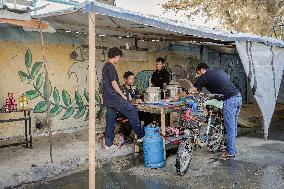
{"x":153,"y":94}
{"x":173,"y":90}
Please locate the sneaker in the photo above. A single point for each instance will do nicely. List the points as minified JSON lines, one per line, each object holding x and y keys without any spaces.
{"x":105,"y":147}
{"x":112,"y":147}
{"x":140,"y":140}
{"x":226,"y":155}
{"x":223,"y":148}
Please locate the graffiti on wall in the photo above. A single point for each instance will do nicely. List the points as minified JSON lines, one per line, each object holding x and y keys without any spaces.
{"x":142,"y":79}
{"x":60,"y":101}
{"x":178,"y":72}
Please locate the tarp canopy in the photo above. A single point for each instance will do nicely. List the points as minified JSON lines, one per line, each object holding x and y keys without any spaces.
{"x":261,"y":56}
{"x":264,"y":67}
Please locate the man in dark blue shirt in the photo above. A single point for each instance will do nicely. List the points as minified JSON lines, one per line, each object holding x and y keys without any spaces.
{"x":218,"y":82}
{"x":114,"y":99}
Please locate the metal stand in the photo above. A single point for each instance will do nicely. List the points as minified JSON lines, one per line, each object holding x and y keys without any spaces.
{"x":28,"y":128}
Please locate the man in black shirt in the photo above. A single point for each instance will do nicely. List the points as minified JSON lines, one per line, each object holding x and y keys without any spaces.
{"x":114,"y":99}
{"x":161,"y":77}
{"x":218,"y":82}
{"x":128,"y":88}
{"x":129,"y":91}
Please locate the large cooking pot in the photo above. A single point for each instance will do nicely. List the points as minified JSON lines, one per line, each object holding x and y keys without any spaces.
{"x":153,"y":94}
{"x":173,"y":90}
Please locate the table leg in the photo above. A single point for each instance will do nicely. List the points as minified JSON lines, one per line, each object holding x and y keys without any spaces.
{"x":171,"y":119}
{"x":136,"y":146}
{"x":26,"y":129}
{"x":163,"y":129}
{"x":30,"y":130}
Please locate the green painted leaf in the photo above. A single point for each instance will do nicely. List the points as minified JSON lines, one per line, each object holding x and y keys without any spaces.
{"x":87,"y":115}
{"x":66,"y":98}
{"x":68,"y":113}
{"x":24,"y":77}
{"x":39,"y":80}
{"x":98,"y":97}
{"x":32,"y":94}
{"x":56,"y":96}
{"x":28,"y":58}
{"x":78,"y":99}
{"x":86,"y":94}
{"x":55,"y":111}
{"x":40,"y":107}
{"x":80,"y":112}
{"x":49,"y":89}
{"x":36,"y":67}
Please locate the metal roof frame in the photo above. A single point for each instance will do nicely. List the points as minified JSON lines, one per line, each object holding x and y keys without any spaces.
{"x":161,"y":26}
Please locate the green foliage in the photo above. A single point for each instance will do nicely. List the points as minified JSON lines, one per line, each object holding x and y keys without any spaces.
{"x":35,"y":69}
{"x":28,"y":58}
{"x":66,"y":98}
{"x":55,"y":110}
{"x":40,"y":107}
{"x":56,"y":96}
{"x":32,"y":94}
{"x":79,"y":100}
{"x":39,"y":80}
{"x":252,"y":16}
{"x":68,"y":113}
{"x":58,"y":105}
{"x":24,"y":77}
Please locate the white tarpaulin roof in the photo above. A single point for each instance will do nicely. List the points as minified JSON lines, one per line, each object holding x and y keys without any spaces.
{"x":262,"y":57}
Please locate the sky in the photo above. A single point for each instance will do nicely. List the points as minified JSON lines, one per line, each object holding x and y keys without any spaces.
{"x":152,"y":7}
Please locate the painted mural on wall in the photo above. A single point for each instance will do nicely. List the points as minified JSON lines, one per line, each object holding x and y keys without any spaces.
{"x":142,"y":79}
{"x":60,"y":101}
{"x":178,"y":72}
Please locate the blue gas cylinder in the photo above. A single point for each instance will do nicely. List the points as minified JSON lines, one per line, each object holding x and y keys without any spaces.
{"x":194,"y":107}
{"x":153,"y":148}
{"x":190,"y":103}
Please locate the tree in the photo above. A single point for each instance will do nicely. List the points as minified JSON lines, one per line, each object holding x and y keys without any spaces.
{"x":250,"y":16}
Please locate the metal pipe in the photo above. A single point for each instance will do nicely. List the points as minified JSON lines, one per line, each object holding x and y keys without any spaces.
{"x":66,"y":2}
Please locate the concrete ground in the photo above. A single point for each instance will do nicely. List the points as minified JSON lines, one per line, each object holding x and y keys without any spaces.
{"x":20,"y":165}
{"x":259,"y":164}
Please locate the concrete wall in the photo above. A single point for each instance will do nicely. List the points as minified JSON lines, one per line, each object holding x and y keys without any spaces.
{"x":13,"y":46}
{"x":65,"y":73}
{"x":71,"y":74}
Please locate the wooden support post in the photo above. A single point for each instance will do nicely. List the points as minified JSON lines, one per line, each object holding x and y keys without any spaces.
{"x":171,"y":119}
{"x":163,"y":129}
{"x":92,"y":107}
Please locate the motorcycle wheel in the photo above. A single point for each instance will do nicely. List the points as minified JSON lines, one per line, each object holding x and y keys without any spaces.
{"x":184,"y":156}
{"x":216,"y":134}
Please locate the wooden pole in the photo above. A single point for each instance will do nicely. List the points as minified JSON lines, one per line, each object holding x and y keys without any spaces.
{"x":47,"y":93}
{"x":92,"y":113}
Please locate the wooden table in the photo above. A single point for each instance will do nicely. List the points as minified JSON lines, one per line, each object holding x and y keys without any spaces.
{"x":161,"y":110}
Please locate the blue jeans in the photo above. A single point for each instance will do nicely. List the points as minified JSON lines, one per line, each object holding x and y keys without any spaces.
{"x":232,"y":108}
{"x":130,"y":112}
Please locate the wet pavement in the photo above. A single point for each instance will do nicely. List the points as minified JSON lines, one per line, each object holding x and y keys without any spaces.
{"x":259,"y":164}
{"x":106,"y":178}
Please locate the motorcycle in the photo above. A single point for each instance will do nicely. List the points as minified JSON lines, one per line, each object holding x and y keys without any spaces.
{"x":195,"y":135}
